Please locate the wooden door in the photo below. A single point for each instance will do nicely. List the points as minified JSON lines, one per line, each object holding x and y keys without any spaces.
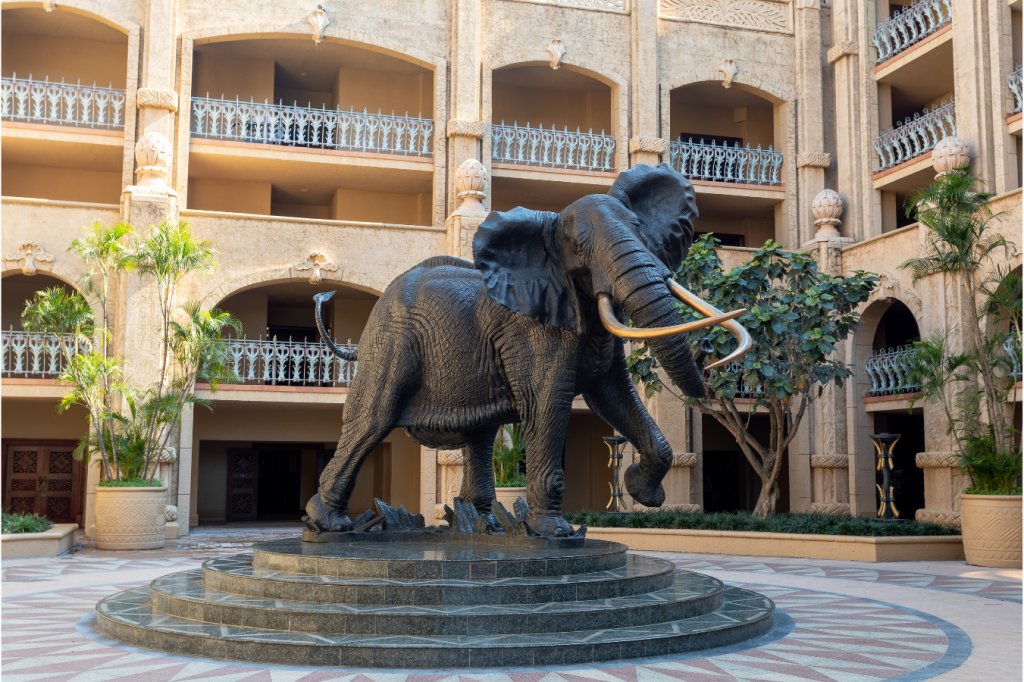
{"x":43,"y":479}
{"x":243,"y":472}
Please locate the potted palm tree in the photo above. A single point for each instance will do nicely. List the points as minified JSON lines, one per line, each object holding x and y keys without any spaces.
{"x":509,"y":452}
{"x":972,"y":386}
{"x":130,"y":428}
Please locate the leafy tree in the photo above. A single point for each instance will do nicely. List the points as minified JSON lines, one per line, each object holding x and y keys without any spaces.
{"x":796,"y":315}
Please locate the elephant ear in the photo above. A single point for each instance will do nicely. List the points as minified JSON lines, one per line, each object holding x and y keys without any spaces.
{"x":513,"y":251}
{"x":665,"y":203}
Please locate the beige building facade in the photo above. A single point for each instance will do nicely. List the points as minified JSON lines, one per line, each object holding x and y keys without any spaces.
{"x":334,"y":146}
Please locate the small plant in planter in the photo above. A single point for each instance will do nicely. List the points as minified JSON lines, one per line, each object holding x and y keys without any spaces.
{"x":130,"y":428}
{"x":25,"y":523}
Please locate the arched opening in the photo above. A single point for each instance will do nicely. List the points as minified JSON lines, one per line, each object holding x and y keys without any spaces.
{"x":40,"y":475}
{"x":294,"y":95}
{"x":725,"y":139}
{"x":543,"y":118}
{"x":69,"y":70}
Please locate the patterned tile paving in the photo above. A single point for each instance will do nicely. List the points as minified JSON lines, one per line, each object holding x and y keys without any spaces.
{"x":821,"y":637}
{"x":1003,"y":591}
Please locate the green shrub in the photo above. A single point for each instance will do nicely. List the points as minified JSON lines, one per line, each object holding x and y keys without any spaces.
{"x":989,"y":468}
{"x":131,"y":483}
{"x":816,"y":524}
{"x":517,"y":481}
{"x":25,"y":523}
{"x":978,"y":490}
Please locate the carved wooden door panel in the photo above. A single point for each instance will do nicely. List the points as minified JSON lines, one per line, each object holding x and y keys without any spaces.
{"x":42,"y":479}
{"x":243,"y":472}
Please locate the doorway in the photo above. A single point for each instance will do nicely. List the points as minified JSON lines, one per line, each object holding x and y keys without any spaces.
{"x":907,"y":477}
{"x":42,"y":477}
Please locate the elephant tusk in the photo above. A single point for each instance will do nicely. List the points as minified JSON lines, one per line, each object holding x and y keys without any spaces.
{"x":604,"y":307}
{"x":705,"y":308}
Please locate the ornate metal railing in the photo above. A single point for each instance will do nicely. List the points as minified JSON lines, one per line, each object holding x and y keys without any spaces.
{"x":910,"y":26}
{"x":527,"y":146}
{"x":722,"y":163}
{"x":290,"y":363}
{"x":34,"y":355}
{"x":1013,"y":349}
{"x":323,"y":128}
{"x":889,"y":371}
{"x":1015,"y":87}
{"x":65,"y":104}
{"x":917,"y":136}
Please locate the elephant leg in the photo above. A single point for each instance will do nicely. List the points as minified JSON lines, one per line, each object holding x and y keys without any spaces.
{"x":615,"y":401}
{"x":478,"y":472}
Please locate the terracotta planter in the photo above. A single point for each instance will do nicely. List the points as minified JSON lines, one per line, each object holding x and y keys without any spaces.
{"x":507,"y":496}
{"x":991,"y":527}
{"x":130,"y":518}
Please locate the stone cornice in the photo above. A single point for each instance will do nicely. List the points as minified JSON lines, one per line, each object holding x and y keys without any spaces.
{"x":152,"y":98}
{"x":840,"y":50}
{"x":651,"y":145}
{"x":462,"y":127}
{"x":830,"y":461}
{"x":814,"y":160}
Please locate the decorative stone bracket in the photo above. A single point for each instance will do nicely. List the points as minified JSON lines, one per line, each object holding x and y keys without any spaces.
{"x":152,"y":98}
{"x":650,"y":145}
{"x":317,"y":262}
{"x":319,"y":22}
{"x":831,"y":485}
{"x":728,"y":69}
{"x":462,"y":127}
{"x":943,"y":486}
{"x":840,"y":50}
{"x":556,"y":48}
{"x":814,"y":160}
{"x":30,"y":252}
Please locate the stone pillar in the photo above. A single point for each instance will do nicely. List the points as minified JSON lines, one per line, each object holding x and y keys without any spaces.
{"x":156,"y":98}
{"x":183,"y":501}
{"x":448,"y":479}
{"x":943,"y":486}
{"x":831,"y":485}
{"x":465,"y":129}
{"x":678,"y":486}
{"x":972,"y":83}
{"x":645,"y":145}
{"x":812,"y":159}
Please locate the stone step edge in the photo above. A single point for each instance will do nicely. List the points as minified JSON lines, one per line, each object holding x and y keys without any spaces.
{"x":317,"y":621}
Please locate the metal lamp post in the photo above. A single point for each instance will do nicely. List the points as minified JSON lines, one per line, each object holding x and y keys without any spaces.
{"x":615,"y":445}
{"x":884,"y":444}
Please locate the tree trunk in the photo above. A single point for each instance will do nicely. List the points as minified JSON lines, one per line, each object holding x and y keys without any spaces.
{"x":768,"y":499}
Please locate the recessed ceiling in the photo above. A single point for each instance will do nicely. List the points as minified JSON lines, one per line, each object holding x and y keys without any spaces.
{"x":299,"y":294}
{"x":545,"y":78}
{"x":714,"y":95}
{"x":60,"y":24}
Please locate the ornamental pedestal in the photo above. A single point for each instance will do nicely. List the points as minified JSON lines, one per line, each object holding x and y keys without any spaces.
{"x":831,"y":485}
{"x":943,"y":487}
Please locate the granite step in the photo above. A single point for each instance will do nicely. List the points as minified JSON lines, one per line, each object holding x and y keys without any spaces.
{"x":237,"y":575}
{"x":130,"y":617}
{"x":434,"y":559}
{"x":184,"y":595}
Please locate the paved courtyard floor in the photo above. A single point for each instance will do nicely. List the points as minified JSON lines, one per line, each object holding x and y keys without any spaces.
{"x":837,"y":621}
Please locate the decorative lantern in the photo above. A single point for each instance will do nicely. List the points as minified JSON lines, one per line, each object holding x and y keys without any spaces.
{"x":827,"y":209}
{"x":884,"y":443}
{"x":615,"y":445}
{"x":471,"y":183}
{"x":949,"y":154}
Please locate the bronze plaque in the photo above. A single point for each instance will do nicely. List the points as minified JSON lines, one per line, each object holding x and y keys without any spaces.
{"x":483,"y":569}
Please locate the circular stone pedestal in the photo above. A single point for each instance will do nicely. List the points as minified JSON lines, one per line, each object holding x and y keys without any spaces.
{"x":434,"y":604}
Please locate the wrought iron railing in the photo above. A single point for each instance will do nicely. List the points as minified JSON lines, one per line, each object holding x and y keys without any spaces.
{"x":910,"y":26}
{"x":742,"y":390}
{"x":1015,"y":87}
{"x":889,"y":371}
{"x":35,"y":355}
{"x":722,"y":163}
{"x":1013,"y":349}
{"x":917,"y":136}
{"x":551,"y":148}
{"x":290,"y":363}
{"x":323,"y":128}
{"x":64,"y":104}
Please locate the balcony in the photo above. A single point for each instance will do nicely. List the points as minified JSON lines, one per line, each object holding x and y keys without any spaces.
{"x":889,"y":371}
{"x":290,"y":363}
{"x":34,"y":355}
{"x":722,"y":163}
{"x":905,"y":29}
{"x":914,"y":137}
{"x":1013,"y":351}
{"x":295,"y":126}
{"x":62,"y":104}
{"x":1014,"y":83}
{"x":527,"y":146}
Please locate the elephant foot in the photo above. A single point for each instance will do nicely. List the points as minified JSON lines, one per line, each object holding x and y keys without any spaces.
{"x":324,"y":518}
{"x":648,"y":493}
{"x":549,"y":523}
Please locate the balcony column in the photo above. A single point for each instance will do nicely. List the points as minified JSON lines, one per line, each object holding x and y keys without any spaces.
{"x":465,"y":130}
{"x":812,"y":159}
{"x":972,"y":84}
{"x":646,"y":144}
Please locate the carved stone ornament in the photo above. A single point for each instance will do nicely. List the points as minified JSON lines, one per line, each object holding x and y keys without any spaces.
{"x":30,"y":252}
{"x":170,"y":513}
{"x":449,"y":458}
{"x":949,"y":154}
{"x":651,"y":145}
{"x":814,"y":160}
{"x":890,"y":285}
{"x":827,"y":208}
{"x":830,"y":461}
{"x":683,"y":508}
{"x":317,"y":262}
{"x":937,"y":460}
{"x":684,"y":459}
{"x":762,"y":15}
{"x":728,"y":69}
{"x":943,"y":517}
{"x":152,"y":98}
{"x":49,"y":5}
{"x":830,"y":508}
{"x":840,"y":50}
{"x":471,"y":183}
{"x":166,"y":456}
{"x":462,"y":127}
{"x":557,"y":50}
{"x":319,"y":22}
{"x":153,"y":154}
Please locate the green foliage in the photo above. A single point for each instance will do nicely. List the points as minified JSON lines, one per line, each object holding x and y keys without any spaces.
{"x":131,"y":483}
{"x":517,"y":481}
{"x":816,"y":524}
{"x":509,"y":451}
{"x":989,"y":467}
{"x":975,"y":490}
{"x":60,"y":312}
{"x":24,"y":523}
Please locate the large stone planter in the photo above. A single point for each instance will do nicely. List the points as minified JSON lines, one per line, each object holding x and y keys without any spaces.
{"x":130,"y":518}
{"x":991,"y":526}
{"x":507,"y":496}
{"x":53,"y":542}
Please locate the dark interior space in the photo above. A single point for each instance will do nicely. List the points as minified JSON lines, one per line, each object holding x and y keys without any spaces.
{"x":896,"y":328}
{"x":907,"y":477}
{"x":278,"y":485}
{"x":730,"y":482}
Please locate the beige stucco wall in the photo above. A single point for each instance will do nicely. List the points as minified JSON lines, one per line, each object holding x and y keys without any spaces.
{"x":70,"y":60}
{"x":61,"y":184}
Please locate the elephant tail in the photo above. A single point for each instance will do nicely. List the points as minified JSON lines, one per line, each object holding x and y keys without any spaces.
{"x":320,"y":299}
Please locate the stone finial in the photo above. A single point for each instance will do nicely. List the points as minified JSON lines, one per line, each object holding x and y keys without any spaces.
{"x":728,"y":69}
{"x":949,"y":154}
{"x":556,"y":48}
{"x":153,"y":154}
{"x":471,"y":183}
{"x":827,"y":208}
{"x":316,"y":262}
{"x":30,"y":252}
{"x":319,"y":22}
{"x":170,"y":513}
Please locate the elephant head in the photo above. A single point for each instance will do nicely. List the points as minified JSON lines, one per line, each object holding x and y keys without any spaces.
{"x":614,"y":253}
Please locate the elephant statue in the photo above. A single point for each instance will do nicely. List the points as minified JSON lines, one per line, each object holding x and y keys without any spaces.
{"x":452,"y":349}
